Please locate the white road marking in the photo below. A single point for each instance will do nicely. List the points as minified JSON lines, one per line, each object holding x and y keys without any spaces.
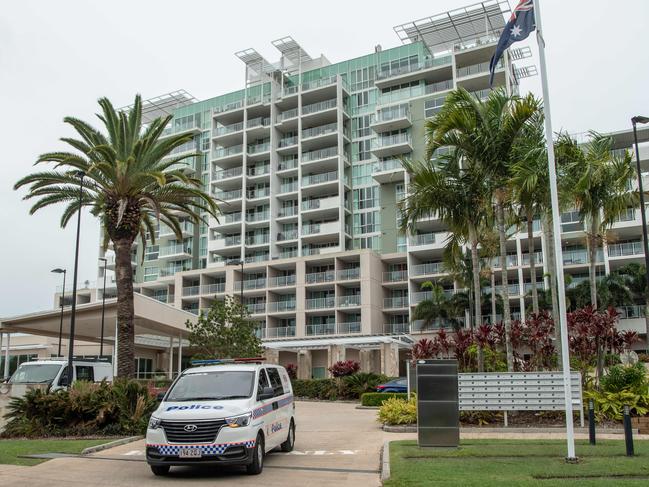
{"x":133,"y":453}
{"x":322,"y":452}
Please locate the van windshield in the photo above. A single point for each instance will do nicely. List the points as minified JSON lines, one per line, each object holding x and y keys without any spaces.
{"x":35,"y":373}
{"x":211,"y":386}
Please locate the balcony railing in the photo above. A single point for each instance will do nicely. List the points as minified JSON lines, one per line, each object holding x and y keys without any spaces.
{"x":439,"y":86}
{"x":426,"y":269}
{"x":319,"y":178}
{"x":631,"y":312}
{"x":320,"y":303}
{"x":228,"y":129}
{"x":280,"y":332}
{"x":624,"y":249}
{"x":258,"y":122}
{"x":395,"y":302}
{"x":287,"y":235}
{"x":422,"y":239}
{"x":258,"y":148}
{"x":227,"y":173}
{"x":349,"y":327}
{"x":175,"y":249}
{"x":391,"y":140}
{"x":319,"y":83}
{"x":292,"y":113}
{"x":288,"y":188}
{"x":348,"y":274}
{"x":319,"y":154}
{"x":322,"y":329}
{"x":257,"y":258}
{"x":413,"y":67}
{"x":387,"y":165}
{"x":393,"y":113}
{"x":248,"y":284}
{"x":260,"y":170}
{"x":476,"y":69}
{"x":538,"y":258}
{"x":287,"y":211}
{"x":395,"y":276}
{"x":288,"y":254}
{"x":232,"y":217}
{"x":319,"y":107}
{"x":256,"y":308}
{"x":571,"y":257}
{"x":281,"y":306}
{"x":252,"y":194}
{"x":288,"y":163}
{"x":396,"y":328}
{"x":315,"y":277}
{"x":218,"y":287}
{"x":191,"y":290}
{"x":288,"y":141}
{"x":235,"y":194}
{"x":281,"y":281}
{"x":257,"y":239}
{"x":228,"y":151}
{"x":321,"y":130}
{"x":257,"y":216}
{"x":349,"y":301}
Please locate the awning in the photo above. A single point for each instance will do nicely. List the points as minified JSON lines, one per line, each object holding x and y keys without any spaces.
{"x":370,"y":341}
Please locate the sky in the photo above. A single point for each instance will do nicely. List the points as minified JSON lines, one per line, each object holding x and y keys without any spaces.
{"x":58,"y":58}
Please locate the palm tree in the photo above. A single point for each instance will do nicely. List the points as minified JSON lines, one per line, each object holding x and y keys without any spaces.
{"x":131,"y":180}
{"x":635,"y":277}
{"x":455,"y":194}
{"x":483,"y":134}
{"x":433,"y":310}
{"x":600,"y":190}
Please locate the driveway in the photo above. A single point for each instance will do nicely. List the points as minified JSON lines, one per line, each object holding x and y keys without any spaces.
{"x":336,"y":444}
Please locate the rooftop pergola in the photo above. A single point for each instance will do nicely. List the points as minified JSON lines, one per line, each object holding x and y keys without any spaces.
{"x":163,"y":105}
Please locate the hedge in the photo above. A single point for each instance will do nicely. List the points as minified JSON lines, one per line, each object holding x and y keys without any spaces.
{"x":377,"y":398}
{"x":348,"y":387}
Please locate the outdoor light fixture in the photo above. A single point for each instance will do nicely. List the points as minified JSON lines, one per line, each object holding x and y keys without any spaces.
{"x":639,"y":119}
{"x":58,"y":270}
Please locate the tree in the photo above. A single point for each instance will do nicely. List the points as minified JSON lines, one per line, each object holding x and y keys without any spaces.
{"x":226,"y":331}
{"x":599,"y":189}
{"x":635,"y":277}
{"x":482,"y":135}
{"x":433,"y":310}
{"x":131,"y":179}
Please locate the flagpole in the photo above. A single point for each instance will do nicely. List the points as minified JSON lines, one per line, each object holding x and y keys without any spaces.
{"x":556,"y":227}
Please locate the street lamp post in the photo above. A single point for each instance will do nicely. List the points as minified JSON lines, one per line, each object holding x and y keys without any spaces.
{"x":643,"y":120}
{"x":80,"y":175}
{"x":103,"y":309}
{"x":62,"y":298}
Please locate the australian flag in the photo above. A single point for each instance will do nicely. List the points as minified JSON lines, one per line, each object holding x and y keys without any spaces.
{"x":520,"y":25}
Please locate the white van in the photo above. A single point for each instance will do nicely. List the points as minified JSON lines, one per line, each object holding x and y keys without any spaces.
{"x":228,"y":414}
{"x":55,"y":372}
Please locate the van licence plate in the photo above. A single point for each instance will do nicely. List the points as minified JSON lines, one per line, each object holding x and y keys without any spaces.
{"x":190,"y":453}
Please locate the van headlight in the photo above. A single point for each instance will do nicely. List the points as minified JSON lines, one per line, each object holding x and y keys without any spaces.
{"x":154,"y":423}
{"x":238,"y":421}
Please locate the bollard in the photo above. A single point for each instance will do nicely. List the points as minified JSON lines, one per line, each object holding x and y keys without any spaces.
{"x":628,"y":433}
{"x":591,"y":421}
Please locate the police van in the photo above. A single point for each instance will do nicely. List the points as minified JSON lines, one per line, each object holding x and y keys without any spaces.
{"x":54,"y":372}
{"x":222,"y":413}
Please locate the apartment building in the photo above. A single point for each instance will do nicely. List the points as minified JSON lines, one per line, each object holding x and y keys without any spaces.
{"x":304,"y":161}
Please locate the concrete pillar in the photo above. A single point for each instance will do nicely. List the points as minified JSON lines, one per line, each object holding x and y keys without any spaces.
{"x":390,"y":359}
{"x":180,"y":354}
{"x":335,"y":353}
{"x":6,"y":369}
{"x":375,"y":361}
{"x":304,"y":364}
{"x":271,"y":355}
{"x":170,"y":371}
{"x":365,"y":359}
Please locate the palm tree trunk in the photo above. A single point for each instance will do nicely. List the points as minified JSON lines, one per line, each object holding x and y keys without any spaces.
{"x":500,"y":220}
{"x":494,"y":310}
{"x":125,"y":312}
{"x":530,"y":251}
{"x":592,"y":263}
{"x":475,"y":265}
{"x":548,"y":236}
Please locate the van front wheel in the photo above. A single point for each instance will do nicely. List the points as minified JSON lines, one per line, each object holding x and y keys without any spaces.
{"x":257,"y":464}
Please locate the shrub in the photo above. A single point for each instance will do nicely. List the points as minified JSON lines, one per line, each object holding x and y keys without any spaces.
{"x":326,"y":389}
{"x":621,"y":378}
{"x":291,"y":370}
{"x":362,"y":382}
{"x":378,"y":398}
{"x":643,"y":357}
{"x":610,"y":405}
{"x":398,"y":411}
{"x":121,"y":408}
{"x":344,"y":367}
{"x":346,"y":387}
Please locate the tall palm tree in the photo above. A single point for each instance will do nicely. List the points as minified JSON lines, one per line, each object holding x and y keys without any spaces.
{"x":454,"y":193}
{"x":600,"y":190}
{"x":131,"y":180}
{"x":433,"y":310}
{"x":483,"y":133}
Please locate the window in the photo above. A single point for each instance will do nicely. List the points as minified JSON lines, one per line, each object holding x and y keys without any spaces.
{"x":143,"y":367}
{"x":85,"y":372}
{"x":367,"y":222}
{"x":361,"y":150}
{"x":432,"y":106}
{"x":262,"y":382}
{"x":361,"y":99}
{"x":400,"y":65}
{"x":366,"y":198}
{"x":275,"y":381}
{"x":361,"y":79}
{"x":361,"y":126}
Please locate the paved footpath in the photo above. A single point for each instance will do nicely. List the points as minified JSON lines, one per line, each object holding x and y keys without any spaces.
{"x":336,"y":444}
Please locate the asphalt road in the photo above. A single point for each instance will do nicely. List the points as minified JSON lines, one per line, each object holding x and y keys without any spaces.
{"x":336,"y":444}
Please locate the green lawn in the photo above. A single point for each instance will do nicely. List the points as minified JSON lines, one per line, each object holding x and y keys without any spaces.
{"x":10,"y":450}
{"x":487,"y":463}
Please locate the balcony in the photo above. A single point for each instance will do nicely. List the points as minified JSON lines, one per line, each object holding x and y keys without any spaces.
{"x":287,"y":212}
{"x":320,"y":155}
{"x":254,"y":149}
{"x":631,"y":312}
{"x":391,"y":145}
{"x":330,"y":205}
{"x":223,"y":130}
{"x":253,"y":194}
{"x":221,"y":175}
{"x":256,"y":308}
{"x":320,"y":249}
{"x":258,"y":170}
{"x":215,"y":288}
{"x":349,"y":328}
{"x":288,"y":187}
{"x":512,"y":290}
{"x":235,"y":194}
{"x":258,"y":216}
{"x":427,"y":269}
{"x":313,"y":179}
{"x":388,"y":171}
{"x":287,"y":115}
{"x":319,"y":277}
{"x":396,"y":328}
{"x":287,"y":142}
{"x":319,"y":107}
{"x":329,"y":128}
{"x":476,"y":69}
{"x":319,"y":83}
{"x":412,"y":71}
{"x":232,"y":152}
{"x":395,"y":302}
{"x":287,"y":163}
{"x":281,"y":306}
{"x":625,"y":249}
{"x":260,"y":257}
{"x":320,"y":303}
{"x":180,"y":251}
{"x":229,"y":107}
{"x":261,"y":122}
{"x":349,"y":274}
{"x":395,"y":276}
{"x":281,"y":281}
{"x":251,"y":284}
{"x":288,"y":253}
{"x":224,"y":243}
{"x":287,"y":235}
{"x":392,"y":118}
{"x":575,"y":257}
{"x":421,"y":240}
{"x":321,"y":329}
{"x":280,"y":332}
{"x":262,"y":239}
{"x":327,"y":228}
{"x":191,"y":291}
{"x":351,"y":301}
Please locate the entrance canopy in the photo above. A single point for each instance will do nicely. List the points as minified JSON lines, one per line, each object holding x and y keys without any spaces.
{"x":366,"y":342}
{"x":151,"y":318}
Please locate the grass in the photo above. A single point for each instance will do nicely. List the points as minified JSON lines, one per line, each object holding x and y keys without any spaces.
{"x":522,"y":463}
{"x":11,"y":450}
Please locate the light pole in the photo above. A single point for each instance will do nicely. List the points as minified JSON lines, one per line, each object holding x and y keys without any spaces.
{"x":73,"y":311}
{"x":636,"y":120}
{"x":103,"y":309}
{"x":62,"y":298}
{"x":240,"y":263}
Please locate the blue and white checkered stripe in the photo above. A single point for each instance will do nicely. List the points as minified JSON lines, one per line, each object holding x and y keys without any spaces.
{"x":213,"y":449}
{"x":263,"y":410}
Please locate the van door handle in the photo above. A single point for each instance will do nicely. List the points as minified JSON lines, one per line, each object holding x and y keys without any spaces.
{"x":275,"y":405}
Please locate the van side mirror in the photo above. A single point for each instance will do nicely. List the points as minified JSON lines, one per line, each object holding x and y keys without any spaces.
{"x":160,"y":396}
{"x":63,"y":381}
{"x":266,"y":393}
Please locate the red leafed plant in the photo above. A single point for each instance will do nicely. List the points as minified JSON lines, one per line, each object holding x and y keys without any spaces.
{"x":424,"y":349}
{"x":291,"y":370}
{"x":343,"y":368}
